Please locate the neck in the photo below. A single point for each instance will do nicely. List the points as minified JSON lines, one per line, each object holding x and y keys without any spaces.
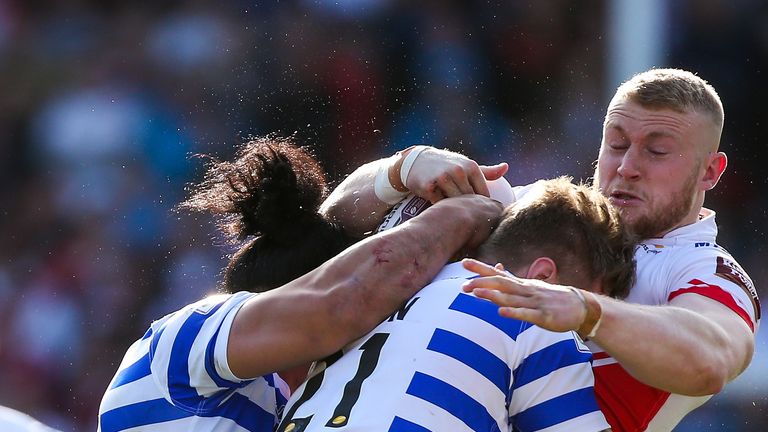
{"x":294,"y":377}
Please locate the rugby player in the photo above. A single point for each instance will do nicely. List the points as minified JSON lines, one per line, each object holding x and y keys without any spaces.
{"x":446,"y":361}
{"x":213,"y":364}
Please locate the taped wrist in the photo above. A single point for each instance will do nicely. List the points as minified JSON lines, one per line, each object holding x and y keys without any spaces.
{"x":382,"y":185}
{"x":389,"y":184}
{"x":408,"y":161}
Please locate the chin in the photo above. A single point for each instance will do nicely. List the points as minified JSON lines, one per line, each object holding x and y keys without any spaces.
{"x":629,"y":216}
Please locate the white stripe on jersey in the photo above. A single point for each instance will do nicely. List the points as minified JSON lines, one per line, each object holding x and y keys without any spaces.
{"x":176,"y":377}
{"x":451,"y":363}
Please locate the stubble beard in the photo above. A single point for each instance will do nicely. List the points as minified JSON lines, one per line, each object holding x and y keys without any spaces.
{"x":660,"y":219}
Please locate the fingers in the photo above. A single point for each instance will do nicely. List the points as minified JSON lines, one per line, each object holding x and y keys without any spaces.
{"x":437,"y":174}
{"x":482,"y":268}
{"x":433,"y":195}
{"x":455,"y":181}
{"x":461,"y":178}
{"x":450,"y":186}
{"x":502,"y":299}
{"x":524,"y":314}
{"x":493,"y":172}
{"x":476,"y":180}
{"x":503,"y":284}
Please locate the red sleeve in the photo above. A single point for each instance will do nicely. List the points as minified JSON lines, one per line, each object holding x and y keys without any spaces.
{"x":720,"y":295}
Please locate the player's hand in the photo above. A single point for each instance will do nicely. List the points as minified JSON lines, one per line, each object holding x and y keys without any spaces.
{"x":438,"y":174}
{"x":477,"y":213}
{"x":552,"y":307}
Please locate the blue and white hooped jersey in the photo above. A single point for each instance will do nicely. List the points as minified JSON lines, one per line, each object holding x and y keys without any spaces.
{"x":176,"y":378}
{"x":447,"y":361}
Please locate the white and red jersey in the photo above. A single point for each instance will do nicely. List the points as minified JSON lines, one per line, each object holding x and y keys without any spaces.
{"x":686,"y":260}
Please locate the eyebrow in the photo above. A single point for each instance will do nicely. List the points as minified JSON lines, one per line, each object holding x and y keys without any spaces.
{"x":651,"y":135}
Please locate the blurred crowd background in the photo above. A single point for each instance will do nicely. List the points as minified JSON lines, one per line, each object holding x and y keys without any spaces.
{"x":103,"y":103}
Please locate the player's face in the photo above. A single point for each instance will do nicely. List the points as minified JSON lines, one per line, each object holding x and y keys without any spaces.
{"x":650,"y":166}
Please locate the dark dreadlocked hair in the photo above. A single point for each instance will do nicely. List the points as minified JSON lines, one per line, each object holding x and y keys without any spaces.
{"x":267,"y":201}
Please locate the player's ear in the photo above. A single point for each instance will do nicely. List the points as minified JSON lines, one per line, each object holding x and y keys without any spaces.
{"x":713,"y":169}
{"x":543,"y":268}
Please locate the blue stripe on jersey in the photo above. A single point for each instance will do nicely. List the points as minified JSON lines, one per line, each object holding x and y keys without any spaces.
{"x":245,"y":413}
{"x":403,"y":425}
{"x":136,"y":371}
{"x":140,"y":414}
{"x":238,"y":409}
{"x":210,"y":352}
{"x":179,"y":385}
{"x":557,"y":410}
{"x":453,"y":400}
{"x":148,"y":333}
{"x":155,"y":340}
{"x":487,"y":312}
{"x":280,"y":399}
{"x":547,"y":360}
{"x":472,"y":355}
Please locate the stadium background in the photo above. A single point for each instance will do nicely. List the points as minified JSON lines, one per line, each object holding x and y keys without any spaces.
{"x":103,"y":102}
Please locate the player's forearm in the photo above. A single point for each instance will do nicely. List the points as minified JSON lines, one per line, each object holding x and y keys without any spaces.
{"x":354,"y":205}
{"x":319,"y":313}
{"x":371,"y":280}
{"x":671,"y":348}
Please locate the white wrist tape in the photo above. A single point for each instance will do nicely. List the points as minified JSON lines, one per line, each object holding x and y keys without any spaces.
{"x":410,"y":158}
{"x":594,"y":329}
{"x":383,"y":189}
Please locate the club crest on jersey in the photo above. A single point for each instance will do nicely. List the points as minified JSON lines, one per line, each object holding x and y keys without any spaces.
{"x":732,"y":272}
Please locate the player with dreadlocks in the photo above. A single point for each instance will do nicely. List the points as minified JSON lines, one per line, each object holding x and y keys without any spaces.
{"x":227,"y":362}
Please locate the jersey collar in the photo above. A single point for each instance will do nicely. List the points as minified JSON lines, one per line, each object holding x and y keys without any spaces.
{"x":705,"y":229}
{"x":454,"y":271}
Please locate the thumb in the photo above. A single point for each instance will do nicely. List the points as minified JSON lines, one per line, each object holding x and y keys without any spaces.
{"x":493,"y":172}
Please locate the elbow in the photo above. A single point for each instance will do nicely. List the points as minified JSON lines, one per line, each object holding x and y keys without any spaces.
{"x":709,"y":378}
{"x":713,"y":373}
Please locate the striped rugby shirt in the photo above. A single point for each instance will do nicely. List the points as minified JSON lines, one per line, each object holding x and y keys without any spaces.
{"x":447,"y":361}
{"x":176,"y":378}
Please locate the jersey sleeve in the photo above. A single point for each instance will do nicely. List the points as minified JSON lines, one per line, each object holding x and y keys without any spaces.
{"x":553,"y":385}
{"x":709,"y":271}
{"x":188,"y":353}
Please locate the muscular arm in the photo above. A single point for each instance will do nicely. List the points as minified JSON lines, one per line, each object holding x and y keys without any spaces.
{"x":319,"y":313}
{"x":436,"y":174}
{"x":353,"y":204}
{"x":693,"y":347}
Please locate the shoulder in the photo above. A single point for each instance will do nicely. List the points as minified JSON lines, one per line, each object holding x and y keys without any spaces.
{"x":696,"y":267}
{"x":215,"y":304}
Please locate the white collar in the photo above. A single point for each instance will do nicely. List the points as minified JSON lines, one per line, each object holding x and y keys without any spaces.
{"x":705,"y":229}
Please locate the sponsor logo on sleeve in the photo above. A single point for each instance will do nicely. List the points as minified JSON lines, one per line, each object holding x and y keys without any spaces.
{"x":414,"y":206}
{"x":406,"y":209}
{"x":732,"y":272}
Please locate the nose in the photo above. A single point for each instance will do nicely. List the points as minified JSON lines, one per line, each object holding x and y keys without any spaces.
{"x":629,"y":167}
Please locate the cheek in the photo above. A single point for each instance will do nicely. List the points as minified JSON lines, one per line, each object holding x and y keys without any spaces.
{"x":605,"y":170}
